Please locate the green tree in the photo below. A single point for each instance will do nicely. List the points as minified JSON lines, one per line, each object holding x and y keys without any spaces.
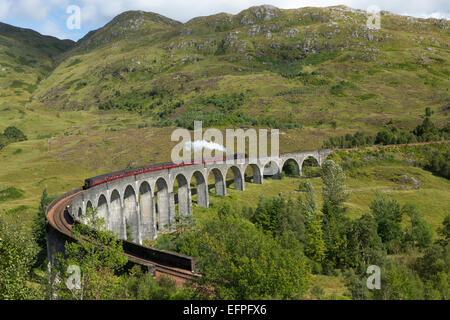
{"x":385,"y":137}
{"x":268,"y":214}
{"x":335,"y":225}
{"x":434,"y":266}
{"x":388,"y":217}
{"x":17,"y":255}
{"x":439,"y":163}
{"x":444,"y":231}
{"x":38,"y":228}
{"x":419,"y":232}
{"x":335,"y":230}
{"x":308,"y":203}
{"x":434,"y":269}
{"x":427,"y":131}
{"x":315,"y":245}
{"x":144,"y":286}
{"x":291,"y":169}
{"x":292,"y":220}
{"x":334,"y":189}
{"x":14,"y":134}
{"x":277,"y":216}
{"x":398,"y":282}
{"x":365,"y":246}
{"x":100,"y":257}
{"x":241,"y":261}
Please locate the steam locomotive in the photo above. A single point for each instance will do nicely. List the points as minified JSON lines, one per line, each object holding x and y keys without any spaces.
{"x":95,"y":181}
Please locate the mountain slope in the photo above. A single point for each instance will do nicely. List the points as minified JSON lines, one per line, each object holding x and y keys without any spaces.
{"x":25,"y":58}
{"x":130,"y":25}
{"x":319,"y":67}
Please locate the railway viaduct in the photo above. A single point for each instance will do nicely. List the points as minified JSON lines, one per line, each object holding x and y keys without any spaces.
{"x":142,"y":206}
{"x":147,"y":204}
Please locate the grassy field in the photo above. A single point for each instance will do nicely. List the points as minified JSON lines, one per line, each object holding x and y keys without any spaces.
{"x":432,"y":195}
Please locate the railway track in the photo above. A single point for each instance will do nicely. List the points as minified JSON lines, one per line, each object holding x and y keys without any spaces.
{"x":60,"y":220}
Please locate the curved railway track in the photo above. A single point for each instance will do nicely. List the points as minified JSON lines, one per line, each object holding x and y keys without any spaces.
{"x":60,"y":220}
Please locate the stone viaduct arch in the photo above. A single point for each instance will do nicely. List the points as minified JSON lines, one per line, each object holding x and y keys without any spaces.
{"x":115,"y":224}
{"x":183,"y":196}
{"x":163,"y":205}
{"x":147,"y":212}
{"x":237,"y":178}
{"x":148,"y":203}
{"x":201,"y":186}
{"x":219,"y":181}
{"x":256,"y":175}
{"x":102,"y":209}
{"x":131,"y":214}
{"x":293,"y":161}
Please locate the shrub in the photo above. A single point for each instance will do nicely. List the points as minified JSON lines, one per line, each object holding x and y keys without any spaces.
{"x":439,"y":163}
{"x":144,"y":286}
{"x":388,"y":217}
{"x":11,"y":193}
{"x":14,"y":134}
{"x":18,"y":252}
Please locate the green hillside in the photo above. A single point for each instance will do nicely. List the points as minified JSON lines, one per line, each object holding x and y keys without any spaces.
{"x":309,"y":67}
{"x":26,"y":57}
{"x":111,"y":100}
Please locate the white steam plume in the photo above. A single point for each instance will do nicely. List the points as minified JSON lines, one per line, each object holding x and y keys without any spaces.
{"x":199,"y":145}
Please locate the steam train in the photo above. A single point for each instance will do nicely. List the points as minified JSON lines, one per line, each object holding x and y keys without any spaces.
{"x":95,"y":181}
